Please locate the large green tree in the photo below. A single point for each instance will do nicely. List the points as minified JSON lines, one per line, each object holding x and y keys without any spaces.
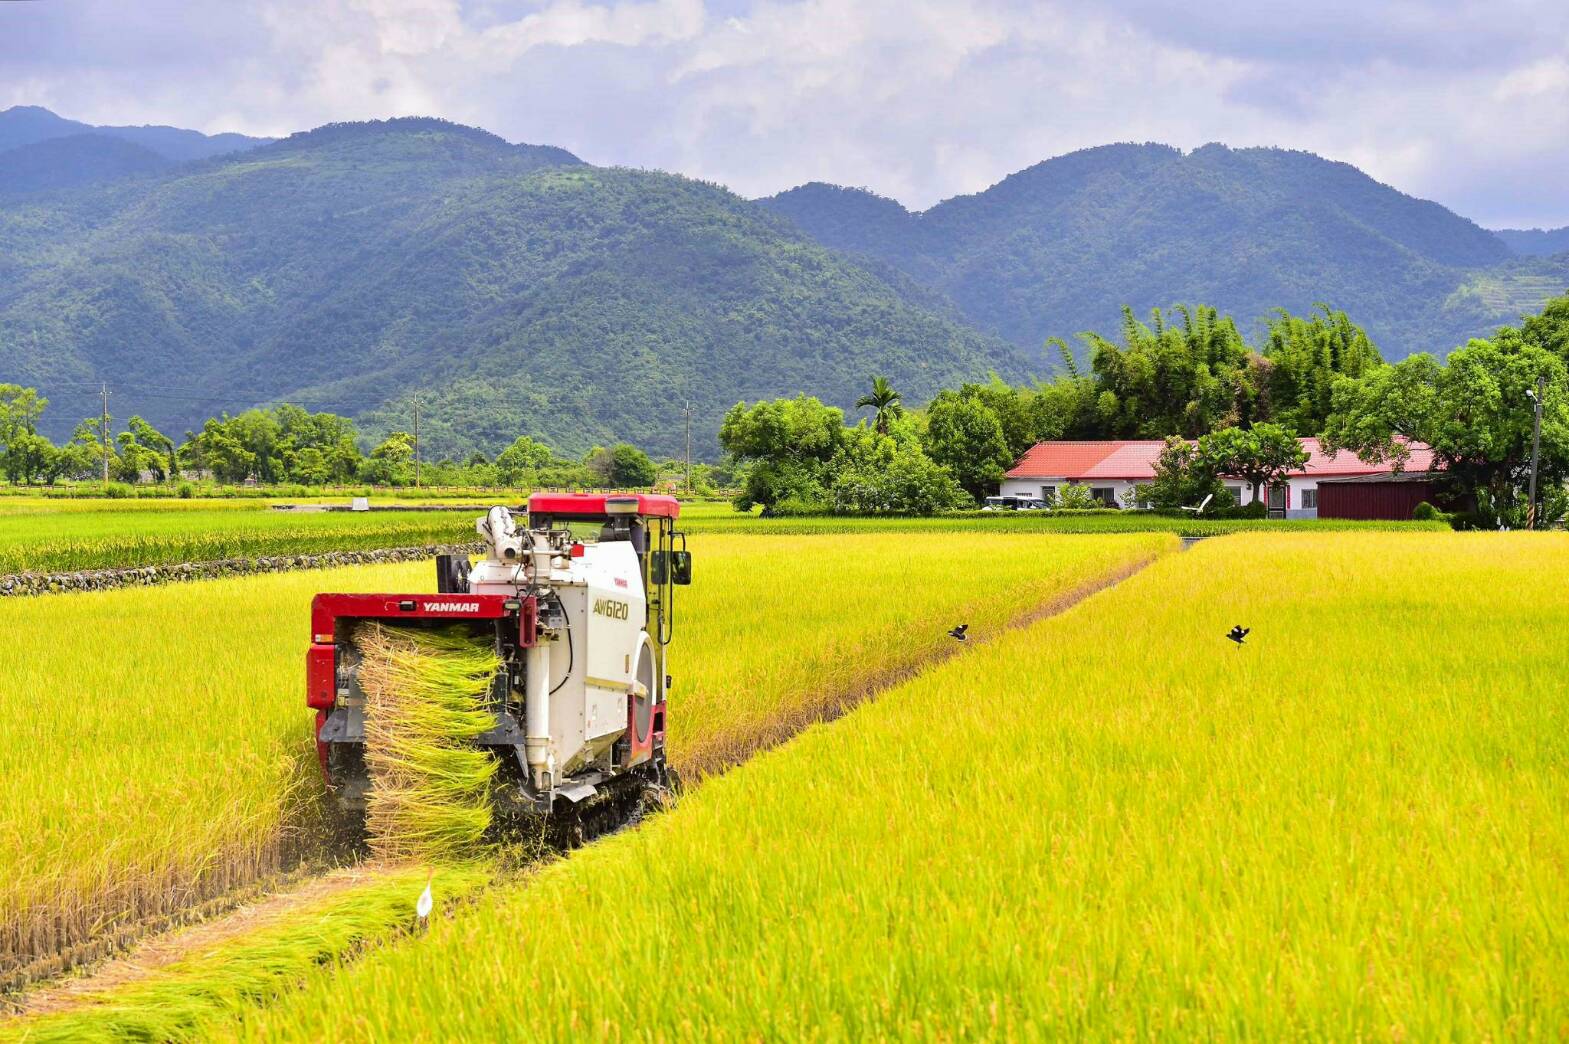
{"x":316,"y":448}
{"x":1261,"y":455}
{"x":630,"y":467}
{"x":1303,"y":357}
{"x":142,"y":448}
{"x":1173,"y":378}
{"x":20,"y":410}
{"x":786,"y":446}
{"x":964,"y":435}
{"x":877,"y":472}
{"x":520,"y":463}
{"x":22,"y":455}
{"x":29,"y":458}
{"x":1473,"y":410}
{"x":392,"y":462}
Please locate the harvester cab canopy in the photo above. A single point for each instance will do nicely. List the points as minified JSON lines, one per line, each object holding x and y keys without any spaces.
{"x":593,"y":507}
{"x":647,"y":520}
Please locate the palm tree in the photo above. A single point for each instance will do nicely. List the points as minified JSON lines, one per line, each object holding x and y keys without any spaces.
{"x":885,"y":401}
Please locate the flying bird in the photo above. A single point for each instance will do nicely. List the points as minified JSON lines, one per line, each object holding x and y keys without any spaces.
{"x":423,"y":904}
{"x":957,"y":634}
{"x":1238,"y":633}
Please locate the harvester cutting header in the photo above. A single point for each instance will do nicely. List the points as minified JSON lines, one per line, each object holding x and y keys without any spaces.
{"x":581,"y":623}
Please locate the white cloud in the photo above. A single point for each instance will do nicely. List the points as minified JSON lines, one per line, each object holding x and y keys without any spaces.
{"x":1549,"y":76}
{"x":1466,"y":101}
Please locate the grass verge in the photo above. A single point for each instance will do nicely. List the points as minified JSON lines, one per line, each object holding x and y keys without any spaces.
{"x":1071,"y":523}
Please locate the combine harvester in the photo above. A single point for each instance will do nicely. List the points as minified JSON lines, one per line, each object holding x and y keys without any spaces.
{"x":581,"y":627}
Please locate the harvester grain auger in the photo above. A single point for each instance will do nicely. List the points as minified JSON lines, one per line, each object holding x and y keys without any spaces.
{"x":580,"y":606}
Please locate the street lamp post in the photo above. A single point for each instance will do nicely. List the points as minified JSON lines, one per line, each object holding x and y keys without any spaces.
{"x":687,"y":409}
{"x":1536,"y":447}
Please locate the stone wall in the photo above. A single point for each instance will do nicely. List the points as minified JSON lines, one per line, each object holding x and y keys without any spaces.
{"x":145,"y":576}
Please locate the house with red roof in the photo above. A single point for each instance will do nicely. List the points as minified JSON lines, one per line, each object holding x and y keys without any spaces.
{"x":1111,"y":470}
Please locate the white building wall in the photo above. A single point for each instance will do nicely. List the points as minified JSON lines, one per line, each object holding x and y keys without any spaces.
{"x":1034,"y":487}
{"x":1295,"y":498}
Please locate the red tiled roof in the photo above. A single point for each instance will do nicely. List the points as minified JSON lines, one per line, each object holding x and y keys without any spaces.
{"x":1134,"y":461}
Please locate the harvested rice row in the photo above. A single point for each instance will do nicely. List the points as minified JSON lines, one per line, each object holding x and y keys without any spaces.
{"x":429,"y":798}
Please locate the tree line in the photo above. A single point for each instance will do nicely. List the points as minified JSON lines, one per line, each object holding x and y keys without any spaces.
{"x":290,"y":444}
{"x":1227,"y":408}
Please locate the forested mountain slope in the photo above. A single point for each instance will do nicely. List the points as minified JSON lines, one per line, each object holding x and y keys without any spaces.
{"x":1535,"y":242}
{"x":511,"y":287}
{"x":73,"y":161}
{"x":29,"y":124}
{"x":1060,"y":247}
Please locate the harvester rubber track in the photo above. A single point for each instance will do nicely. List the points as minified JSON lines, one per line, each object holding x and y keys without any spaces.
{"x":620,"y":805}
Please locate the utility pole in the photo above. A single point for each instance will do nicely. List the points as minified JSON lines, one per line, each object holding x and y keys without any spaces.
{"x":103,"y":429}
{"x":416,"y":443}
{"x":1536,"y":447}
{"x":687,"y":409}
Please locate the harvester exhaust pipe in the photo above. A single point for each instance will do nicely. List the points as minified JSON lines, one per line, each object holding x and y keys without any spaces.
{"x":536,"y":716}
{"x":536,"y":695}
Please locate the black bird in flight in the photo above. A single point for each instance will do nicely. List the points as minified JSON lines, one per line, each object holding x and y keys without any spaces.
{"x":1238,"y":633}
{"x":957,"y":634}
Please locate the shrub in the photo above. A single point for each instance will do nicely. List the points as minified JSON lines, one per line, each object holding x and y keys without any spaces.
{"x":186,"y":491}
{"x":1255,"y":509}
{"x":1075,"y":498}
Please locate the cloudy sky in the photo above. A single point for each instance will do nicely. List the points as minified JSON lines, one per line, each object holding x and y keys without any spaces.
{"x":1460,"y":101}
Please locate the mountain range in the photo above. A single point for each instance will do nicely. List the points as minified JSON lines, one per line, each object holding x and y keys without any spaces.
{"x":1061,"y":246}
{"x":514,"y":288}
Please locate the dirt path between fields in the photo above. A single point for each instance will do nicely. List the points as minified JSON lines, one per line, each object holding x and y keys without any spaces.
{"x":157,"y":951}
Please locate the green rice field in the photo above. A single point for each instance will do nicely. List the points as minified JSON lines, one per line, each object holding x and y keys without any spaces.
{"x":72,"y":541}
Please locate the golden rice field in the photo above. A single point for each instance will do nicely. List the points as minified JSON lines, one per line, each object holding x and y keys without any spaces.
{"x":1113,"y":824}
{"x":157,"y":751}
{"x":779,"y":631}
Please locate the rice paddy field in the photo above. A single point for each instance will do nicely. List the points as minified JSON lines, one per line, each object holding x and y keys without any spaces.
{"x":1100,"y":820}
{"x":1111,"y":824}
{"x":158,"y":749}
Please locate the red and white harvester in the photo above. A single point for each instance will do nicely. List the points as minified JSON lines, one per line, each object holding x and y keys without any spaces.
{"x":581,"y":607}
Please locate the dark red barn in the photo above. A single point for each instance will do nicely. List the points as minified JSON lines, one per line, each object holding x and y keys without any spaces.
{"x":1388,"y":496}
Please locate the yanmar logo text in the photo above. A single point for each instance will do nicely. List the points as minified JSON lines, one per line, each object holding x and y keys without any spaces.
{"x":452,"y":607}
